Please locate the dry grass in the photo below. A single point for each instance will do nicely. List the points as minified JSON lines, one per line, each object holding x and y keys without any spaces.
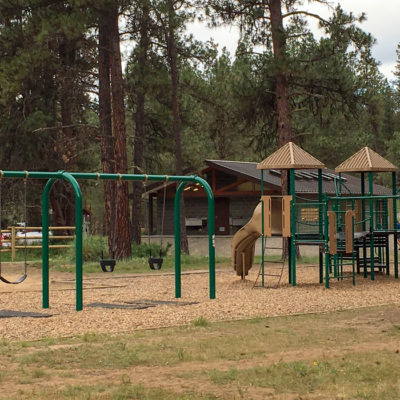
{"x":351,"y":354}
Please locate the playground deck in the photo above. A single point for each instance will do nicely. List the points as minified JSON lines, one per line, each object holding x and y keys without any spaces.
{"x":124,"y":303}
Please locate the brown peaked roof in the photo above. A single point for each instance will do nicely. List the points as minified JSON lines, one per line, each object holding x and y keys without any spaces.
{"x":366,"y":160}
{"x":290,"y":156}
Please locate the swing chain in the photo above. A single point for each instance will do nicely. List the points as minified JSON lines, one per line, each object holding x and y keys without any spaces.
{"x":163,"y":215}
{"x":156,"y":263}
{"x":23,"y":277}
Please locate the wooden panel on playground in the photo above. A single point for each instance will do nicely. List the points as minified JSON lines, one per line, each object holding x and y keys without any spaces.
{"x":348,"y":219}
{"x":332,"y":232}
{"x":267,"y":201}
{"x":267,"y":215}
{"x":286,"y":216}
{"x":390,"y":214}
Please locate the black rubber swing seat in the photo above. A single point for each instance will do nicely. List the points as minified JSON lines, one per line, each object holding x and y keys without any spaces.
{"x":19,"y":280}
{"x":107,"y":265}
{"x":155,"y":262}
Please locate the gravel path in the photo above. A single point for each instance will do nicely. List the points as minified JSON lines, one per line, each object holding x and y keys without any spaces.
{"x":235,"y":300}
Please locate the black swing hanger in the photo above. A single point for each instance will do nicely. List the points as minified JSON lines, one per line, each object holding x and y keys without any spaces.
{"x":155,"y":263}
{"x":25,"y":274}
{"x":108,"y":264}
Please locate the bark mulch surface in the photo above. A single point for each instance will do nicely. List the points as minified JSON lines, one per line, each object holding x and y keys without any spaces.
{"x":124,"y":303}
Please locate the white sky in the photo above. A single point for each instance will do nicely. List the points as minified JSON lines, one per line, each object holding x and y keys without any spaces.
{"x":382,"y":22}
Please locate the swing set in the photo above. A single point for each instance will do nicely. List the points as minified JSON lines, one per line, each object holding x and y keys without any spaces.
{"x":72,"y":179}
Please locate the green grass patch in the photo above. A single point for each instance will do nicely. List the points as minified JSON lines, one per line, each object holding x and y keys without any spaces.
{"x":94,"y":247}
{"x":139,"y":265}
{"x":201,"y":321}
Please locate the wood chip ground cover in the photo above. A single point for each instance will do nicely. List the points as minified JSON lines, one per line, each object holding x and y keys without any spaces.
{"x":342,"y":343}
{"x":236,"y":299}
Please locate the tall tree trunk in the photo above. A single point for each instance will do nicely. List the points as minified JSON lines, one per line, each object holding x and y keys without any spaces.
{"x":176,"y":124}
{"x":123,"y":244}
{"x":106,"y":138}
{"x":281,"y":89}
{"x":139,"y":138}
{"x":67,"y":139}
{"x":281,"y":81}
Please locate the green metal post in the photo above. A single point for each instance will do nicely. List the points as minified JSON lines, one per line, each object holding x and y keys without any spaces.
{"x":211,"y":236}
{"x":326,"y":225}
{"x":372,"y":228}
{"x":293,"y":225}
{"x":78,"y":236}
{"x":320,"y":225}
{"x":78,"y":239}
{"x":262,"y":231}
{"x":45,"y":243}
{"x":177,"y":235}
{"x":353,"y":255}
{"x":289,"y":239}
{"x":364,"y":226}
{"x":335,"y":256}
{"x":395,"y":249}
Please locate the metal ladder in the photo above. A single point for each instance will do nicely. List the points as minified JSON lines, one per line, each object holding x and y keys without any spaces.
{"x":273,"y":275}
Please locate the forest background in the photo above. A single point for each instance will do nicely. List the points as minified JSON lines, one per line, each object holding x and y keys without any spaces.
{"x":69,"y":101}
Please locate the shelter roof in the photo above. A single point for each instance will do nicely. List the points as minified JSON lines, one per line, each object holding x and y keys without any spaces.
{"x":306,"y":180}
{"x":366,"y":160}
{"x":290,"y":156}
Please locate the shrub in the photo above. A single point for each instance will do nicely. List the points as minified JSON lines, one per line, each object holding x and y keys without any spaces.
{"x":201,"y":321}
{"x":92,"y":247}
{"x":143,"y":250}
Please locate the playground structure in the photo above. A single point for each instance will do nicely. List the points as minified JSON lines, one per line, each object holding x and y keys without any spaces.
{"x":349,"y":230}
{"x":72,"y":179}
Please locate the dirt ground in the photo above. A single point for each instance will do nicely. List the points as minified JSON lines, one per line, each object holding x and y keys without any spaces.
{"x":145,"y":302}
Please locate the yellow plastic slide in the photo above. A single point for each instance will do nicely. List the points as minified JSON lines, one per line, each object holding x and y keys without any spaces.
{"x":244,"y":242}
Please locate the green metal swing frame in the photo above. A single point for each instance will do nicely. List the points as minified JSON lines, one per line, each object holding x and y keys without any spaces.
{"x":72,"y":178}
